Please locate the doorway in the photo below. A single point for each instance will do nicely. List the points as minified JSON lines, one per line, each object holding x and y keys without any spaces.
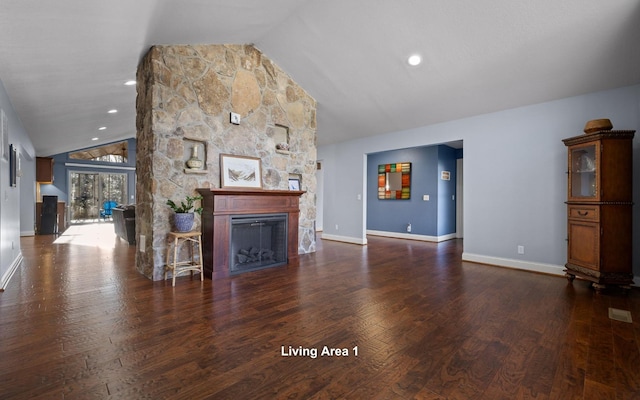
{"x":89,"y":190}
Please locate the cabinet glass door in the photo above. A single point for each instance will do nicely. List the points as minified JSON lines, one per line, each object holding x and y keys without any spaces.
{"x":583,"y":173}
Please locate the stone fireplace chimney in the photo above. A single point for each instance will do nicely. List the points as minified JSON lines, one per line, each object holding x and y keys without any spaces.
{"x":186,"y":95}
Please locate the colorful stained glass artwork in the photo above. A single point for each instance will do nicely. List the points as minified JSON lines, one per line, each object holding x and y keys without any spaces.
{"x":394,"y":174}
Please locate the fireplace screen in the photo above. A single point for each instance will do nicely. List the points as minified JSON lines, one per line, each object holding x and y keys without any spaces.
{"x":257,"y":242}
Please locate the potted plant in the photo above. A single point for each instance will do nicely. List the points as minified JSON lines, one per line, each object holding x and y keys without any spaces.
{"x":184,"y":213}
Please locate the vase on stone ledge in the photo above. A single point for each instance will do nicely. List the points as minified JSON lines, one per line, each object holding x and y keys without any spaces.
{"x":194,"y":162}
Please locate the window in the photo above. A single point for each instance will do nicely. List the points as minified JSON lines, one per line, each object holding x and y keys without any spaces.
{"x":88,"y":192}
{"x":112,"y":153}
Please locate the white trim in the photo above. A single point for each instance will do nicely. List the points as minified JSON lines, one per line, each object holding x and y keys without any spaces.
{"x":524,"y":265}
{"x":346,"y":239}
{"x":515,"y":264}
{"x":98,"y":166}
{"x":411,"y":236}
{"x":12,"y":269}
{"x":27,"y":233}
{"x":459,"y":198}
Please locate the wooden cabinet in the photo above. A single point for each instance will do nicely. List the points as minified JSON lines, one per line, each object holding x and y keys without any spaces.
{"x":599,"y":208}
{"x":44,"y":169}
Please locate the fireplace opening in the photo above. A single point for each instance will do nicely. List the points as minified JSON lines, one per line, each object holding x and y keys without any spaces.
{"x":257,"y":242}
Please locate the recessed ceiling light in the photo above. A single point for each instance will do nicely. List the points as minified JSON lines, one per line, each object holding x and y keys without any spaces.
{"x":94,"y":139}
{"x":414,"y":60}
{"x":130,"y":83}
{"x":112,"y":111}
{"x":102,"y":128}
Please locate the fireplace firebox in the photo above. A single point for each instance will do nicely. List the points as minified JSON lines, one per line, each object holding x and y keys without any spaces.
{"x":257,"y":242}
{"x":222,"y":204}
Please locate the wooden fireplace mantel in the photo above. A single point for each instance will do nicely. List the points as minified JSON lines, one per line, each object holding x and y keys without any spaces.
{"x":219,"y":205}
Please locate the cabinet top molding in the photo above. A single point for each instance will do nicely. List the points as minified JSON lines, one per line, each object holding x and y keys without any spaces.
{"x":588,"y":137}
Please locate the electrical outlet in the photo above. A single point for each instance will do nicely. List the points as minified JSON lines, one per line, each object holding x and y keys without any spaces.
{"x":520,"y":249}
{"x":142,"y":243}
{"x":425,"y":197}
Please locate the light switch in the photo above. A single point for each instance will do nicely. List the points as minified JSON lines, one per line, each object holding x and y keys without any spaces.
{"x":235,"y":118}
{"x":425,"y":197}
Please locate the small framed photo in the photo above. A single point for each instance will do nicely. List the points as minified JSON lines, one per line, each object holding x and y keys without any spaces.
{"x":13,"y":166}
{"x":4,"y":135}
{"x":294,"y":184}
{"x":240,"y":172}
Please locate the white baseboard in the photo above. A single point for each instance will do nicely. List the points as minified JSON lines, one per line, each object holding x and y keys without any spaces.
{"x":412,"y":236}
{"x":550,"y":269}
{"x":515,"y":264}
{"x":524,"y":265}
{"x":346,"y":239}
{"x":12,"y":269}
{"x":27,"y":233}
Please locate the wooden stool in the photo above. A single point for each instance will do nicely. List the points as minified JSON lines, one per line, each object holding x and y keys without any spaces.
{"x":178,"y":267}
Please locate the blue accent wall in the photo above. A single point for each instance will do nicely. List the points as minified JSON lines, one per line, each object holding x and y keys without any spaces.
{"x":435,"y":217}
{"x":60,"y":185}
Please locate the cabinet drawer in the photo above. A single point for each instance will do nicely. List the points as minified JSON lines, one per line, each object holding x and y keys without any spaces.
{"x":585,"y":213}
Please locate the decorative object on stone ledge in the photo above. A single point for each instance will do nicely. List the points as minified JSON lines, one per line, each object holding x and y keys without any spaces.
{"x":184,"y":213}
{"x":240,"y":172}
{"x":194,"y":162}
{"x":282,"y":146}
{"x":597,"y":125}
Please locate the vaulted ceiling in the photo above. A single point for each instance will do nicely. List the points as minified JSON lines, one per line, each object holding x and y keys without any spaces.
{"x":64,"y":62}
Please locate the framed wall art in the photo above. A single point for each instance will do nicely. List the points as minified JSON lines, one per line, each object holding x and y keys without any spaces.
{"x":394,"y":181}
{"x":4,"y":135}
{"x":294,"y":184}
{"x":240,"y":172}
{"x":13,"y":166}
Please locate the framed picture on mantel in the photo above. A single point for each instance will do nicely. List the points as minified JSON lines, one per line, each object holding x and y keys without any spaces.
{"x":240,"y":172}
{"x":294,"y":184}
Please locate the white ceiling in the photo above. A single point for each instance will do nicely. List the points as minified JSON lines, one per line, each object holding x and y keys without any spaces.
{"x":64,"y":62}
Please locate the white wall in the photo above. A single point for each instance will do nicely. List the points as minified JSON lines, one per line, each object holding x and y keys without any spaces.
{"x":514,"y":171}
{"x":15,"y":200}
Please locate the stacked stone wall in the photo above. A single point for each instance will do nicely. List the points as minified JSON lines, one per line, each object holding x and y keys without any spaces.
{"x":185,"y":97}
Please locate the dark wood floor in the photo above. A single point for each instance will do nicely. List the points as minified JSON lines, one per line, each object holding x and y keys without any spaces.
{"x":78,"y":322}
